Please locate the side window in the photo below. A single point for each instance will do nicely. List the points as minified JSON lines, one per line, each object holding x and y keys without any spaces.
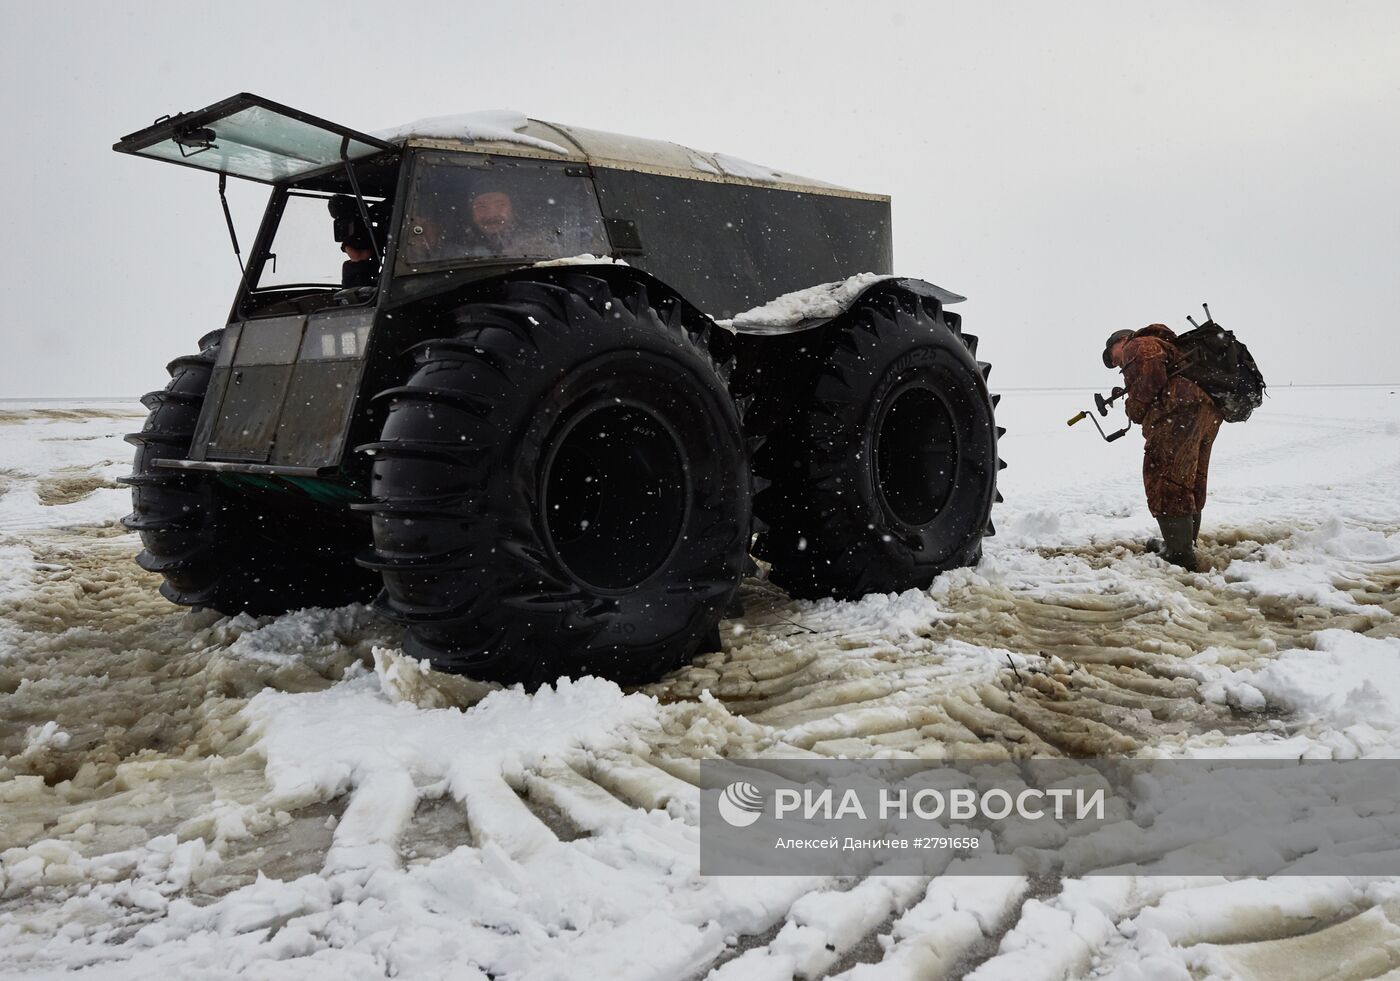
{"x":464,"y":207}
{"x":305,"y":245}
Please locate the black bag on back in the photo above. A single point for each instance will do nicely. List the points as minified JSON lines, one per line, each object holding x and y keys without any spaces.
{"x":1214,"y":359}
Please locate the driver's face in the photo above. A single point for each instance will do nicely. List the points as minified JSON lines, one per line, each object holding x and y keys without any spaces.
{"x":492,"y":212}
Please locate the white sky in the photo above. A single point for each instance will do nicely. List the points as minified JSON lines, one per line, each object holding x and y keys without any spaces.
{"x":1072,"y":168}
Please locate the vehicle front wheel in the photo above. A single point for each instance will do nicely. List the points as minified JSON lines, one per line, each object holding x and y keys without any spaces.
{"x":224,"y":546}
{"x":561,"y":487}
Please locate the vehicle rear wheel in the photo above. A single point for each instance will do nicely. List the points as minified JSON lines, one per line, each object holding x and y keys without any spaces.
{"x":218,"y":546}
{"x":561,"y":488}
{"x":885,"y":474}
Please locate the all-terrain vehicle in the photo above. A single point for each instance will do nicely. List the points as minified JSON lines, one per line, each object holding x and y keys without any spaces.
{"x":522,"y":402}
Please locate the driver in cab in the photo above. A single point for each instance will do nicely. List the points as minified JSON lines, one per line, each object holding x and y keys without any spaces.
{"x":497,"y":230}
{"x":361,"y":266}
{"x":490,"y":229}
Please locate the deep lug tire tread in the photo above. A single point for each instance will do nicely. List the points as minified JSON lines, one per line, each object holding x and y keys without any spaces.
{"x":823,"y":527}
{"x":203,"y":539}
{"x":465,"y":563}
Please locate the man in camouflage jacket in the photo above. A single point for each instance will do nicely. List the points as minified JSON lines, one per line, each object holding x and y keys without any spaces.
{"x":1179,"y":422}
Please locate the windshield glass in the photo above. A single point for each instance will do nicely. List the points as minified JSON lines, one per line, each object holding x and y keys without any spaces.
{"x":465,"y":207}
{"x":259,"y":143}
{"x":313,"y":243}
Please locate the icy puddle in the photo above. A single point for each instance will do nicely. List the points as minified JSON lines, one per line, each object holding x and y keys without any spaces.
{"x":289,"y":797}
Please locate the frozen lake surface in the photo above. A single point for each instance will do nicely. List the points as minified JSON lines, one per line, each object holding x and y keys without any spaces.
{"x":186,"y":795}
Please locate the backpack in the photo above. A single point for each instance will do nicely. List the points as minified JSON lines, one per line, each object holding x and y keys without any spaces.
{"x":1216,"y":360}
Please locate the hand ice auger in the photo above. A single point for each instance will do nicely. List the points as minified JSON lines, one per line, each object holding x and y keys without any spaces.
{"x":1102,"y":404}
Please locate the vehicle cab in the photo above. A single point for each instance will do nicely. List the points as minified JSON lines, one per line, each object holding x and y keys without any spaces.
{"x":355,"y":226}
{"x":365,"y":234}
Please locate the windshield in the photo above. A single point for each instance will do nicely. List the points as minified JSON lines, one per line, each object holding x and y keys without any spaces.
{"x":249,"y":136}
{"x":465,"y":207}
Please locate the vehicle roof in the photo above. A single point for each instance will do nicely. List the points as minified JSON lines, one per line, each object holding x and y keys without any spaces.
{"x":512,"y":134}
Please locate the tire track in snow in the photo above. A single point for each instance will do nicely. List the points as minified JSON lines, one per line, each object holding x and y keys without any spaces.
{"x":1318,"y":928}
{"x":142,"y":705}
{"x":824,"y":926}
{"x":796,"y":679}
{"x":943,"y":934}
{"x":1077,"y":652}
{"x":1096,"y":638}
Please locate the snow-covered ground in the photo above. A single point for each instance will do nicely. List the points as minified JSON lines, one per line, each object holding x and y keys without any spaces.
{"x":183,"y":795}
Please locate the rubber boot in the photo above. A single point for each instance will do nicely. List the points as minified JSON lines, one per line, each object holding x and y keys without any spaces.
{"x":1196,"y":526}
{"x":1177,"y":540}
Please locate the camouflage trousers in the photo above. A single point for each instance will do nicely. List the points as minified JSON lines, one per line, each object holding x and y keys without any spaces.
{"x":1176,"y":458}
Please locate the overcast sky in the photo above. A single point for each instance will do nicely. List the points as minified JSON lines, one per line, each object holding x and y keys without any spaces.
{"x":1072,"y":168}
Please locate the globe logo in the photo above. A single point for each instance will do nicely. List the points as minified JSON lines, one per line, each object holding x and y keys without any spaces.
{"x":741,"y":804}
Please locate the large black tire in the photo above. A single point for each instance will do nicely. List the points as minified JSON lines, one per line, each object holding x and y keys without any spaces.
{"x":884,"y":474}
{"x":561,"y":487}
{"x":259,"y":553}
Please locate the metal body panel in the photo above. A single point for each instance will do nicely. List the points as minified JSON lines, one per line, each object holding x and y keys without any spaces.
{"x":249,"y":412}
{"x":618,"y":152}
{"x":283,"y":390}
{"x":312,"y":426}
{"x":241,"y":409}
{"x":730,"y":247}
{"x":321,"y":394}
{"x":272,"y":341}
{"x":260,"y":469}
{"x":214,"y":396}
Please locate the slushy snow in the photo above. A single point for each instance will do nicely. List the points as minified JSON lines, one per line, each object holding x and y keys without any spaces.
{"x":186,"y":795}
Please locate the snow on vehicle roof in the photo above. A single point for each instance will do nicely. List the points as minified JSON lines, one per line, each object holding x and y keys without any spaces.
{"x":486,"y":126}
{"x":512,"y":133}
